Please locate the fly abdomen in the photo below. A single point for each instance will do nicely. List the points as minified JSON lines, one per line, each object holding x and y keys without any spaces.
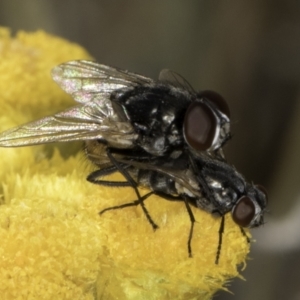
{"x":157,"y":182}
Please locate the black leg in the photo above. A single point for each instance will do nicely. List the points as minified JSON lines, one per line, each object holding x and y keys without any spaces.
{"x":93,"y":178}
{"x":221,"y":231}
{"x":134,"y":203}
{"x":193,"y":220}
{"x":191,"y":215}
{"x":245,"y":235}
{"x":133,"y":184}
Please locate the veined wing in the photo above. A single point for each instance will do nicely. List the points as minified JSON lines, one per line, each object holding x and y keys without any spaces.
{"x":88,"y":80}
{"x":184,"y":177}
{"x":91,"y":121}
{"x":175,"y":79}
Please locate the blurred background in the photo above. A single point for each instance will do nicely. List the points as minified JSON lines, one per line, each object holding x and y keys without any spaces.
{"x":248,"y":51}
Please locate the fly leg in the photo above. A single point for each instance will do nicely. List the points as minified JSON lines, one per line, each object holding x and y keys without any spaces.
{"x":190,"y":213}
{"x":129,"y":183}
{"x":110,"y":170}
{"x":245,"y":235}
{"x":193,"y":220}
{"x":133,"y":203}
{"x":221,"y":231}
{"x":93,"y":177}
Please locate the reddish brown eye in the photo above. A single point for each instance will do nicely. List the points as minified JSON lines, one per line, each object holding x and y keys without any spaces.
{"x":263,"y":190}
{"x":217,"y":100}
{"x":199,"y":126}
{"x":243,"y":212}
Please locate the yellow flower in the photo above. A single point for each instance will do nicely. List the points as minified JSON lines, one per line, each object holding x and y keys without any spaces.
{"x":53,"y":241}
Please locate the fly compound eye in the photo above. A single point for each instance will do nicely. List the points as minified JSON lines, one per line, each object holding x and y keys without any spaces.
{"x":199,"y":126}
{"x":263,"y":190}
{"x":243,"y":212}
{"x":217,"y":100}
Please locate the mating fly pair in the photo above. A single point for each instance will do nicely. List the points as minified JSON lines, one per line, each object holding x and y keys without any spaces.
{"x":159,"y":134}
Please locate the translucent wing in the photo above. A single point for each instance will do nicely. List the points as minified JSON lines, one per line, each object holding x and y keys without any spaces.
{"x":87,"y":80}
{"x":91,"y":84}
{"x":175,"y":79}
{"x":93,"y":120}
{"x":183,"y":176}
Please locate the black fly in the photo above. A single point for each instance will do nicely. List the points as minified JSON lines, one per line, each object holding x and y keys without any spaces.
{"x":160,"y":134}
{"x":204,"y":182}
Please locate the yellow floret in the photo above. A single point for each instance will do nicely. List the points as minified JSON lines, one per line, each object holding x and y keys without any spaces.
{"x":54,"y":244}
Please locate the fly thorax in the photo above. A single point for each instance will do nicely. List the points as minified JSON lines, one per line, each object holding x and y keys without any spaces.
{"x":225,"y":196}
{"x":155,"y":146}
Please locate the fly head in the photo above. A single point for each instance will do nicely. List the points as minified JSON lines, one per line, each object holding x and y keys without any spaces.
{"x":249,"y":209}
{"x":228,"y":191}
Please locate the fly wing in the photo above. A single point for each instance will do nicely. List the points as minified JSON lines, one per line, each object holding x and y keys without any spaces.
{"x":183,"y":176}
{"x":91,"y":84}
{"x":87,"y":80}
{"x":174,"y":79}
{"x":92,"y":121}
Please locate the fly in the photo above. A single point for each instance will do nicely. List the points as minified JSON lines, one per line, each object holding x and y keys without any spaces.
{"x":127,"y":110}
{"x":204,"y":182}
